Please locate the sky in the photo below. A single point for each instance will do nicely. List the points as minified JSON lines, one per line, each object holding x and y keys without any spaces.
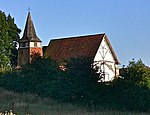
{"x":126,"y":22}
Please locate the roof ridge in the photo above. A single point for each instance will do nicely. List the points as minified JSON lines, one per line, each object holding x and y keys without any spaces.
{"x":74,"y":37}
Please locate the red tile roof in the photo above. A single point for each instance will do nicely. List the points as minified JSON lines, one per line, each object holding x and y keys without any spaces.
{"x":81,"y":46}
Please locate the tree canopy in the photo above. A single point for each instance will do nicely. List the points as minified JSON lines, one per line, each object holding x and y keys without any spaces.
{"x":136,"y":73}
{"x":78,"y":84}
{"x":9,"y":35}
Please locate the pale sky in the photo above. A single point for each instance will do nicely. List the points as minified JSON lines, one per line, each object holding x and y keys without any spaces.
{"x":126,"y":22}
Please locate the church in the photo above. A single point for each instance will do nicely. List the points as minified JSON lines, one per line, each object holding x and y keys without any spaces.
{"x":97,"y":47}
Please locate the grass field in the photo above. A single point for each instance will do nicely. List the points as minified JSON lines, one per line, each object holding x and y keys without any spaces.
{"x":22,"y":104}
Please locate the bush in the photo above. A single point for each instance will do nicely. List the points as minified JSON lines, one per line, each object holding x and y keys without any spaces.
{"x":78,"y":84}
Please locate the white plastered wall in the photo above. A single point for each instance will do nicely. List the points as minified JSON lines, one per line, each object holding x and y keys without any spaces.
{"x":32,"y":44}
{"x":109,"y":68}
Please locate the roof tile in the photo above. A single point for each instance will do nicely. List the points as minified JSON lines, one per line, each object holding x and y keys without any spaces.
{"x":80,"y":46}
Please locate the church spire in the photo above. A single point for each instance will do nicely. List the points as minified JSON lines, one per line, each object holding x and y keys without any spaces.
{"x":29,"y":44}
{"x":29,"y":31}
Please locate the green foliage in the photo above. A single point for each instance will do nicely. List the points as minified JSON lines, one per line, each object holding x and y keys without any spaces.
{"x":136,"y":73}
{"x":78,"y":84}
{"x":9,"y":35}
{"x":73,"y":85}
{"x":134,"y":88}
{"x":38,"y":74}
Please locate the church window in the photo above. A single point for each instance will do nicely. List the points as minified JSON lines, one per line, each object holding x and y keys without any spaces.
{"x":35,"y":44}
{"x":27,"y":44}
{"x":23,"y":44}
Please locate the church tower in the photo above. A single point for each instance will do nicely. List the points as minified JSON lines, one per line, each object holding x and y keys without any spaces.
{"x":29,"y":44}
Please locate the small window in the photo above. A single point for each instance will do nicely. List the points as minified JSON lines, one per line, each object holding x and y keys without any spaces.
{"x":23,"y":44}
{"x":27,"y":44}
{"x":35,"y":44}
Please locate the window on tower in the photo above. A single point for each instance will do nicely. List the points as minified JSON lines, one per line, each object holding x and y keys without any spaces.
{"x":27,"y":44}
{"x":35,"y":44}
{"x":23,"y":44}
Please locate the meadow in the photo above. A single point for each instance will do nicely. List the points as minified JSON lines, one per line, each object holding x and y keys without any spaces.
{"x":23,"y":103}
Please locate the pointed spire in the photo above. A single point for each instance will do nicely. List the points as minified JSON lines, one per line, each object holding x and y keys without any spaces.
{"x":29,"y":31}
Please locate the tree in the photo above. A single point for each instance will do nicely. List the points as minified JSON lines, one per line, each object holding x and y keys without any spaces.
{"x":78,"y":81}
{"x":136,"y":73}
{"x":38,"y":75}
{"x":134,"y":90}
{"x":9,"y":35}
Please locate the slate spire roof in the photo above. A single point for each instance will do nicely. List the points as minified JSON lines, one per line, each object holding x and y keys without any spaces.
{"x":29,"y":31}
{"x":80,"y":46}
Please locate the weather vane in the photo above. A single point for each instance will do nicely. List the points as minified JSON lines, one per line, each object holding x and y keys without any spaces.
{"x":29,"y":9}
